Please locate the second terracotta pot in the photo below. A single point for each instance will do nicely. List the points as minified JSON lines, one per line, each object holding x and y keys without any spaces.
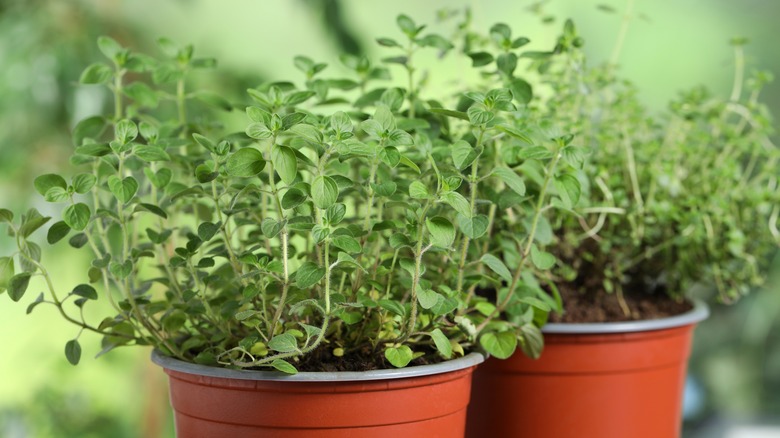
{"x":612,"y":380}
{"x":423,"y":401}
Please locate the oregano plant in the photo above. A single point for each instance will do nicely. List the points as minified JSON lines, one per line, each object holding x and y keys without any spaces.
{"x":669,"y":204}
{"x":354,"y":224}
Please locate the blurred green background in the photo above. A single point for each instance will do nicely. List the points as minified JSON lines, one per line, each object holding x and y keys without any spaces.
{"x":44,"y":45}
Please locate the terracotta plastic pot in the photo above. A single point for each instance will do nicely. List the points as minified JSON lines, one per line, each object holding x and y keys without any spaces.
{"x":611,"y":380}
{"x":422,"y":401}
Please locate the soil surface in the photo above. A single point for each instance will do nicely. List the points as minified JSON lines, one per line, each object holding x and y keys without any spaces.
{"x":365,"y":359}
{"x":599,"y":306}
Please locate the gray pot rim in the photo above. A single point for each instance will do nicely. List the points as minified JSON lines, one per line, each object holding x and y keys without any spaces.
{"x":699,"y":312}
{"x":470,"y":360}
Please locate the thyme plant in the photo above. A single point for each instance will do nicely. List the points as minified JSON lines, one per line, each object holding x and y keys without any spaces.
{"x":316,"y":236}
{"x":684,"y":199}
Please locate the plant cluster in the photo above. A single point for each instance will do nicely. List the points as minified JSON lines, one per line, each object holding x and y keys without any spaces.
{"x":670,"y":202}
{"x":316,"y":234}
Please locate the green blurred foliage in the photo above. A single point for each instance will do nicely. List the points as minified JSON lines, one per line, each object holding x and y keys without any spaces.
{"x":44,"y":45}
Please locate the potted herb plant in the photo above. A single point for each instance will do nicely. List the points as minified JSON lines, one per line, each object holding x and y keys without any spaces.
{"x":672,"y":203}
{"x":317,"y":273}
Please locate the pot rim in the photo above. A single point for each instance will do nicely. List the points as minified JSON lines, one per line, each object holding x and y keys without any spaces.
{"x":470,"y":360}
{"x":699,"y":312}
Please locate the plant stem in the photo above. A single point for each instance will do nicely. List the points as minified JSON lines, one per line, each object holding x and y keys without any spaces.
{"x":418,"y":253}
{"x":530,"y":240}
{"x":627,"y":17}
{"x":473,"y":182}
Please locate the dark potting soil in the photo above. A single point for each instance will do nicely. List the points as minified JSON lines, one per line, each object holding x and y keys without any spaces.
{"x":600,"y":306}
{"x":364,"y":359}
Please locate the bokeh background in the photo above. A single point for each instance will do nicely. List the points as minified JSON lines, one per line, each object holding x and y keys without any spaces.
{"x":734,"y":384}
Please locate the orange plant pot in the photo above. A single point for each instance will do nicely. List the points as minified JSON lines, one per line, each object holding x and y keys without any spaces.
{"x":612,"y":380}
{"x":423,"y":401}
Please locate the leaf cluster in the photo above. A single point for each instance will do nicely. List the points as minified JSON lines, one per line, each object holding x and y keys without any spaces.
{"x":683,"y":199}
{"x":399,"y":223}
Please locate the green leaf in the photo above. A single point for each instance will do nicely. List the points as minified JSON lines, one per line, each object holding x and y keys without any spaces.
{"x":450,"y":113}
{"x":473,"y":227}
{"x":161,"y":178}
{"x":399,"y":357}
{"x":324,"y":191}
{"x":427,"y":298}
{"x":340,"y":122}
{"x":91,"y":127}
{"x":77,"y":216}
{"x":417,"y":190}
{"x":308,"y":275}
{"x":407,"y":26}
{"x":500,"y":345}
{"x":56,"y":194}
{"x":521,"y":90}
{"x":126,"y":131}
{"x":463,"y":154}
{"x":109,"y":47}
{"x":541,"y":259}
{"x":436,"y":41}
{"x":347,"y":243}
{"x":6,"y":272}
{"x":293,"y":198}
{"x":297,"y":97}
{"x":57,"y":232}
{"x":568,"y":188}
{"x":497,"y":266}
{"x":335,"y":214}
{"x":285,"y":163}
{"x":293,"y":119}
{"x":245,"y":163}
{"x":444,"y":306}
{"x":390,"y":156}
{"x":388,"y":42}
{"x":284,"y":366}
{"x":142,"y":94}
{"x":399,"y":137}
{"x":6,"y":215}
{"x":258,"y":131}
{"x":478,"y":59}
{"x":532,"y":341}
{"x":393,"y":306}
{"x":97,"y":73}
{"x":442,"y":343}
{"x":441,"y":230}
{"x":270,"y":227}
{"x":45,"y":182}
{"x":511,"y":179}
{"x":123,"y":189}
{"x":284,"y":343}
{"x":73,"y":351}
{"x":308,"y":133}
{"x":507,"y":63}
{"x":207,"y":230}
{"x":17,"y":285}
{"x":409,"y":163}
{"x":85,"y":291}
{"x":458,"y":202}
{"x":479,"y":116}
{"x":385,"y":188}
{"x":32,"y":222}
{"x":515,"y":133}
{"x":151,"y":153}
{"x":151,"y":208}
{"x":83,"y":182}
{"x":121,"y":270}
{"x":34,"y":304}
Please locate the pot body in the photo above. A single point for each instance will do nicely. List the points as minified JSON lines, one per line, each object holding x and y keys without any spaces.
{"x":587,"y":385}
{"x":422,"y":406}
